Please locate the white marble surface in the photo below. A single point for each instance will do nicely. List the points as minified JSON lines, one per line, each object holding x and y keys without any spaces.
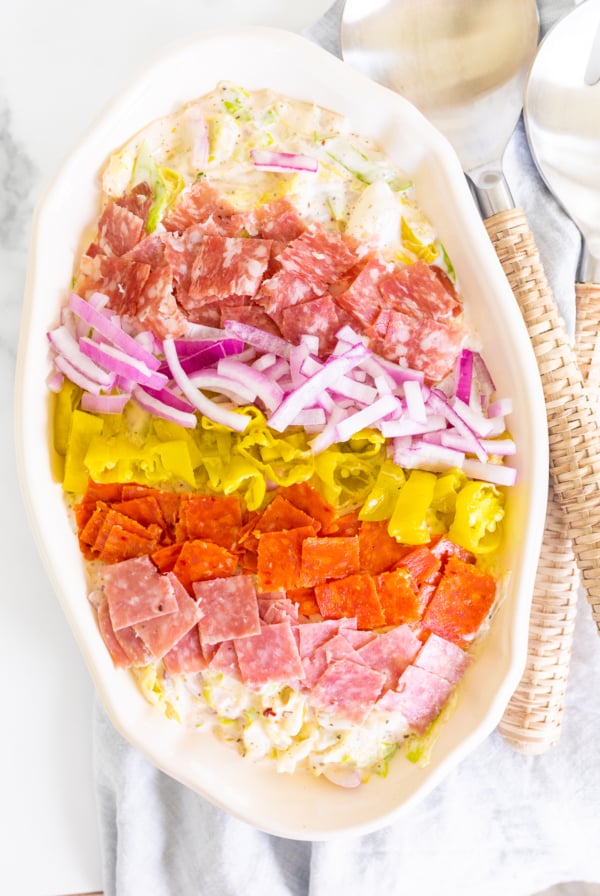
{"x":60,"y":63}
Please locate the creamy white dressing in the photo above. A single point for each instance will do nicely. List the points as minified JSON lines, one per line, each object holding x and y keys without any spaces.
{"x":356,"y":188}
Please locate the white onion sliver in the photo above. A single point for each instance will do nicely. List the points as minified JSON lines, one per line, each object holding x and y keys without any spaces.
{"x":160,"y":409}
{"x":210,"y":409}
{"x":367,"y":417}
{"x":500,"y":408}
{"x":480,"y":425}
{"x":104,"y":404}
{"x":66,"y":345}
{"x":425,"y":456}
{"x":497,"y":474}
{"x":415,"y":404}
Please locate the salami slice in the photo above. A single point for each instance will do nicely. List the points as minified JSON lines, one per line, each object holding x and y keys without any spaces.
{"x":318,"y":257}
{"x":135,"y":592}
{"x":228,"y":609}
{"x":163,"y":632}
{"x":443,"y":658}
{"x":318,"y":317}
{"x":226,"y":266}
{"x":418,"y":292}
{"x":270,"y":656}
{"x":285,"y":289}
{"x":157,"y":307}
{"x":197,"y":204}
{"x":118,"y":278}
{"x":277,"y":220}
{"x":119,"y":230}
{"x":363,"y":299}
{"x":348,"y":689}
{"x":138,"y":200}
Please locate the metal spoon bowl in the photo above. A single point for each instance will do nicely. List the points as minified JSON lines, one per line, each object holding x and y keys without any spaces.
{"x":462,"y":64}
{"x":562,"y":118}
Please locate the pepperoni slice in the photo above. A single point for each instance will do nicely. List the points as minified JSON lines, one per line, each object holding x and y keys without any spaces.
{"x":460,"y":603}
{"x":399,"y":600}
{"x":201,"y":560}
{"x":378,"y":550}
{"x":282,"y":514}
{"x":216,"y":518}
{"x":165,"y":558}
{"x":353,"y":596}
{"x":308,"y":499}
{"x":280,"y":558}
{"x":328,"y":558}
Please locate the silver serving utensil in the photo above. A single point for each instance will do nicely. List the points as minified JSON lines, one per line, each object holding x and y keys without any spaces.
{"x":562,"y":120}
{"x":464,"y":65}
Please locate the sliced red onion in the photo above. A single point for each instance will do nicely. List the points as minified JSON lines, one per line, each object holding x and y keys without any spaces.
{"x":210,"y":409}
{"x":112,"y":332}
{"x":120,"y":363}
{"x":426,"y":456}
{"x":498,"y":474}
{"x":367,"y":417}
{"x":77,"y":377}
{"x":415,"y":404}
{"x":269,"y":392}
{"x":482,"y":374}
{"x":376,"y":365}
{"x":270,"y":160}
{"x":475,"y":420}
{"x":306,"y":394}
{"x":104,"y":404}
{"x":439,"y":404}
{"x":350,"y":388}
{"x":465,"y":375}
{"x":404,"y":426}
{"x":492,"y":446}
{"x":66,"y":345}
{"x":310,"y":417}
{"x":264,"y":361}
{"x":311,"y":342}
{"x":208,"y":354}
{"x":329,"y":435}
{"x":165,"y":396}
{"x":98,"y":300}
{"x":201,"y":331}
{"x":160,"y":409}
{"x":260,"y":339}
{"x":500,"y":408}
{"x":55,"y":380}
{"x":298,"y":356}
{"x":278,"y":370}
{"x":216,"y":382}
{"x":348,"y":335}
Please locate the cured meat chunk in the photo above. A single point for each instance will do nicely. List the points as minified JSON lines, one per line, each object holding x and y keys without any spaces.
{"x":165,"y":558}
{"x":304,"y":599}
{"x":144,"y":510}
{"x":423,"y":565}
{"x":460,"y":603}
{"x":308,"y":499}
{"x":399,"y":599}
{"x":163,"y":632}
{"x":119,"y":657}
{"x":157,"y":307}
{"x":226,"y":266}
{"x":150,"y":250}
{"x":197,"y":204}
{"x":420,"y":696}
{"x":421,"y":343}
{"x":335,"y":648}
{"x":270,"y":656}
{"x":285,"y":289}
{"x":119,"y":230}
{"x":378,"y":550}
{"x":185,"y":657}
{"x":118,"y":278}
{"x":443,"y":658}
{"x":391,"y":652}
{"x":281,"y":514}
{"x":135,"y":592}
{"x":418,"y":292}
{"x":280,"y":558}
{"x":363,"y":299}
{"x":318,"y":258}
{"x":348,"y":689}
{"x":311,"y":635}
{"x":345,"y":525}
{"x":253,"y":315}
{"x":201,"y":560}
{"x":277,"y":220}
{"x":134,"y":647}
{"x":216,"y":518}
{"x":138,"y":200}
{"x":225,"y":660}
{"x":328,"y":558}
{"x":443,"y":548}
{"x":277,"y":609}
{"x":318,"y":317}
{"x":353,"y":596}
{"x":228,"y":609}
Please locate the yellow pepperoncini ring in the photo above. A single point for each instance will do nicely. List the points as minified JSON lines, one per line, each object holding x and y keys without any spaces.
{"x":381,"y":500}
{"x":409,"y":521}
{"x":346,"y":478}
{"x":443,"y":504}
{"x":477,"y":523}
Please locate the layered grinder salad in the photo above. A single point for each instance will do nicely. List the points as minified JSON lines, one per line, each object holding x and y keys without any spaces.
{"x":281,"y":446}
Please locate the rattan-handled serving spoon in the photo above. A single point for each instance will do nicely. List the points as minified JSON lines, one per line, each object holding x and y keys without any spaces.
{"x":464,"y":65}
{"x":562,"y":117}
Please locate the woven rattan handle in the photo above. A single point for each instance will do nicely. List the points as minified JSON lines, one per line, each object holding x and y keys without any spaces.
{"x":574,"y":433}
{"x":532,"y":720}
